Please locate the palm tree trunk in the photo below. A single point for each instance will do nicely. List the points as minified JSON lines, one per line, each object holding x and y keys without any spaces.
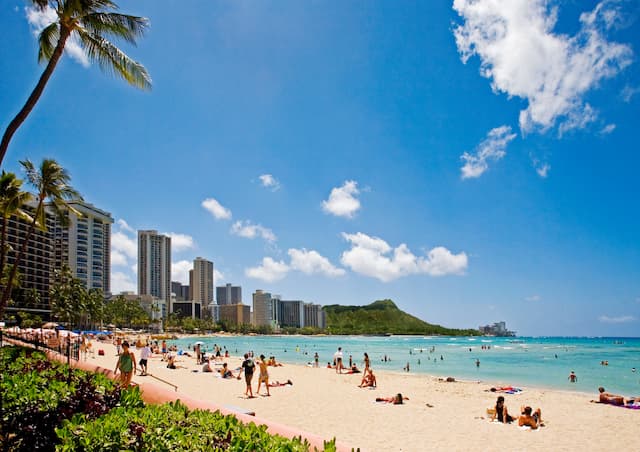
{"x":3,"y":244}
{"x":6,"y":293}
{"x":35,"y":94}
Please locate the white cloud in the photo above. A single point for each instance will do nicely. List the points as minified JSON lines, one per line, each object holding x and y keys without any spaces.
{"x":620,"y":319}
{"x":218,"y":276}
{"x":372,"y":256}
{"x":311,"y":262}
{"x":342,"y":201}
{"x":40,"y":19}
{"x":180,"y":271}
{"x":542,"y":168}
{"x":251,"y":231}
{"x":216,"y":209}
{"x":118,"y":259}
{"x":523,"y":57}
{"x":180,"y":242}
{"x":268,"y":271}
{"x":609,"y":128}
{"x":492,"y":148}
{"x":124,"y":226}
{"x":269,"y":181}
{"x":533,"y":298}
{"x":121,"y":282}
{"x":628,"y":92}
{"x":120,"y":242}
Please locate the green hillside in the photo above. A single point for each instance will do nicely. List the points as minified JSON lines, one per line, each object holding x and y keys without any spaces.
{"x":382,"y":317}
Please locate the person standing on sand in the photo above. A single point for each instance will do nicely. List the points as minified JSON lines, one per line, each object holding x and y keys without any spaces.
{"x":145,"y":354}
{"x":337,"y":357}
{"x":264,"y":375}
{"x":248,"y":366}
{"x":126,"y":364}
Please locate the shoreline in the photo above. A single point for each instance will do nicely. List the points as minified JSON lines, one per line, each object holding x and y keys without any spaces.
{"x":437,"y":415}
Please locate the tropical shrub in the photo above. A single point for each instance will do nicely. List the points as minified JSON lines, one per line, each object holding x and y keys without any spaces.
{"x":171,"y":427}
{"x":38,"y":394}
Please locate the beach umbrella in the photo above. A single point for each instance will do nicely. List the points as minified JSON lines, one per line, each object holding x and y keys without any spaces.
{"x":198,"y":343}
{"x":49,"y":325}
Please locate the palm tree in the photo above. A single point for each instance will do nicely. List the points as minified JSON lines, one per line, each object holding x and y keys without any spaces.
{"x":92,"y":22}
{"x":51,"y":182}
{"x":12,"y":201}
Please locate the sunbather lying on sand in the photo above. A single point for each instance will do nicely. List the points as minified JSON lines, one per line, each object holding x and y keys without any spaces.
{"x":275,"y":384}
{"x":396,"y":400}
{"x":614,"y":399}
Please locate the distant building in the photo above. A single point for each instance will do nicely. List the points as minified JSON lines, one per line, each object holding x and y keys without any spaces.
{"x":84,"y":244}
{"x":154,"y":265}
{"x":263,"y":309}
{"x":191,"y":309}
{"x":181,"y":291}
{"x":234,"y":314}
{"x":201,"y":289}
{"x":155,"y":307}
{"x":298,"y":314}
{"x":35,"y":268}
{"x":228,"y":295}
{"x":497,"y":329}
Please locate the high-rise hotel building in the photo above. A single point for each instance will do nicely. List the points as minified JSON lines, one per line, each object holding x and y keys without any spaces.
{"x":201,"y":280}
{"x":226,"y":295}
{"x":84,"y":244}
{"x":154,"y":265}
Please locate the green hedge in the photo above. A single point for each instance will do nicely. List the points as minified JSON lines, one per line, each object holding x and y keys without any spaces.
{"x":44,"y":407}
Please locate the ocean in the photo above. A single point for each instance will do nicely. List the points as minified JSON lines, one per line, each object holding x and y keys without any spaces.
{"x":543,"y":362}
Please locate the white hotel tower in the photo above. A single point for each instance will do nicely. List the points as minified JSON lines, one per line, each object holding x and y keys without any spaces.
{"x":154,"y":265}
{"x":85,"y":245}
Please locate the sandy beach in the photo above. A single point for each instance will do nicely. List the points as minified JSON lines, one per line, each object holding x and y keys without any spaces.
{"x":438,"y":415}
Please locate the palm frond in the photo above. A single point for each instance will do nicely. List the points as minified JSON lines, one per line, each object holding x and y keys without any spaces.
{"x":40,"y":4}
{"x":121,"y":26}
{"x":48,"y":40}
{"x":115,"y":61}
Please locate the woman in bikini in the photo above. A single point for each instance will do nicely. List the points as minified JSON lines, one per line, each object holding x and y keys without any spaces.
{"x":501,"y":412}
{"x":126,"y":365}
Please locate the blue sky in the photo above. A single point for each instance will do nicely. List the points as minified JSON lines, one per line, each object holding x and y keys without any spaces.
{"x":474,"y":161}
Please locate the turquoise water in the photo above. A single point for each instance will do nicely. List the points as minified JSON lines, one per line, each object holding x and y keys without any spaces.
{"x":540,"y":362}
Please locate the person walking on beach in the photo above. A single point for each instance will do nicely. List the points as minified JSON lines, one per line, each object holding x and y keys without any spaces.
{"x":367,"y":363}
{"x":126,"y":364}
{"x":337,"y":357}
{"x":264,"y":375}
{"x":145,"y":354}
{"x":248,"y":366}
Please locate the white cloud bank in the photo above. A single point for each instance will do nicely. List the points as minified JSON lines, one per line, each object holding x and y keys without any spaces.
{"x":523,"y":57}
{"x":270,"y":182}
{"x":620,"y":319}
{"x":180,"y":271}
{"x":122,"y":282}
{"x":372,"y":256}
{"x":39,"y":20}
{"x":306,"y":261}
{"x":269,"y":271}
{"x":250,"y":231}
{"x":342,"y":201}
{"x":180,"y":242}
{"x":216,"y":209}
{"x":492,"y":148}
